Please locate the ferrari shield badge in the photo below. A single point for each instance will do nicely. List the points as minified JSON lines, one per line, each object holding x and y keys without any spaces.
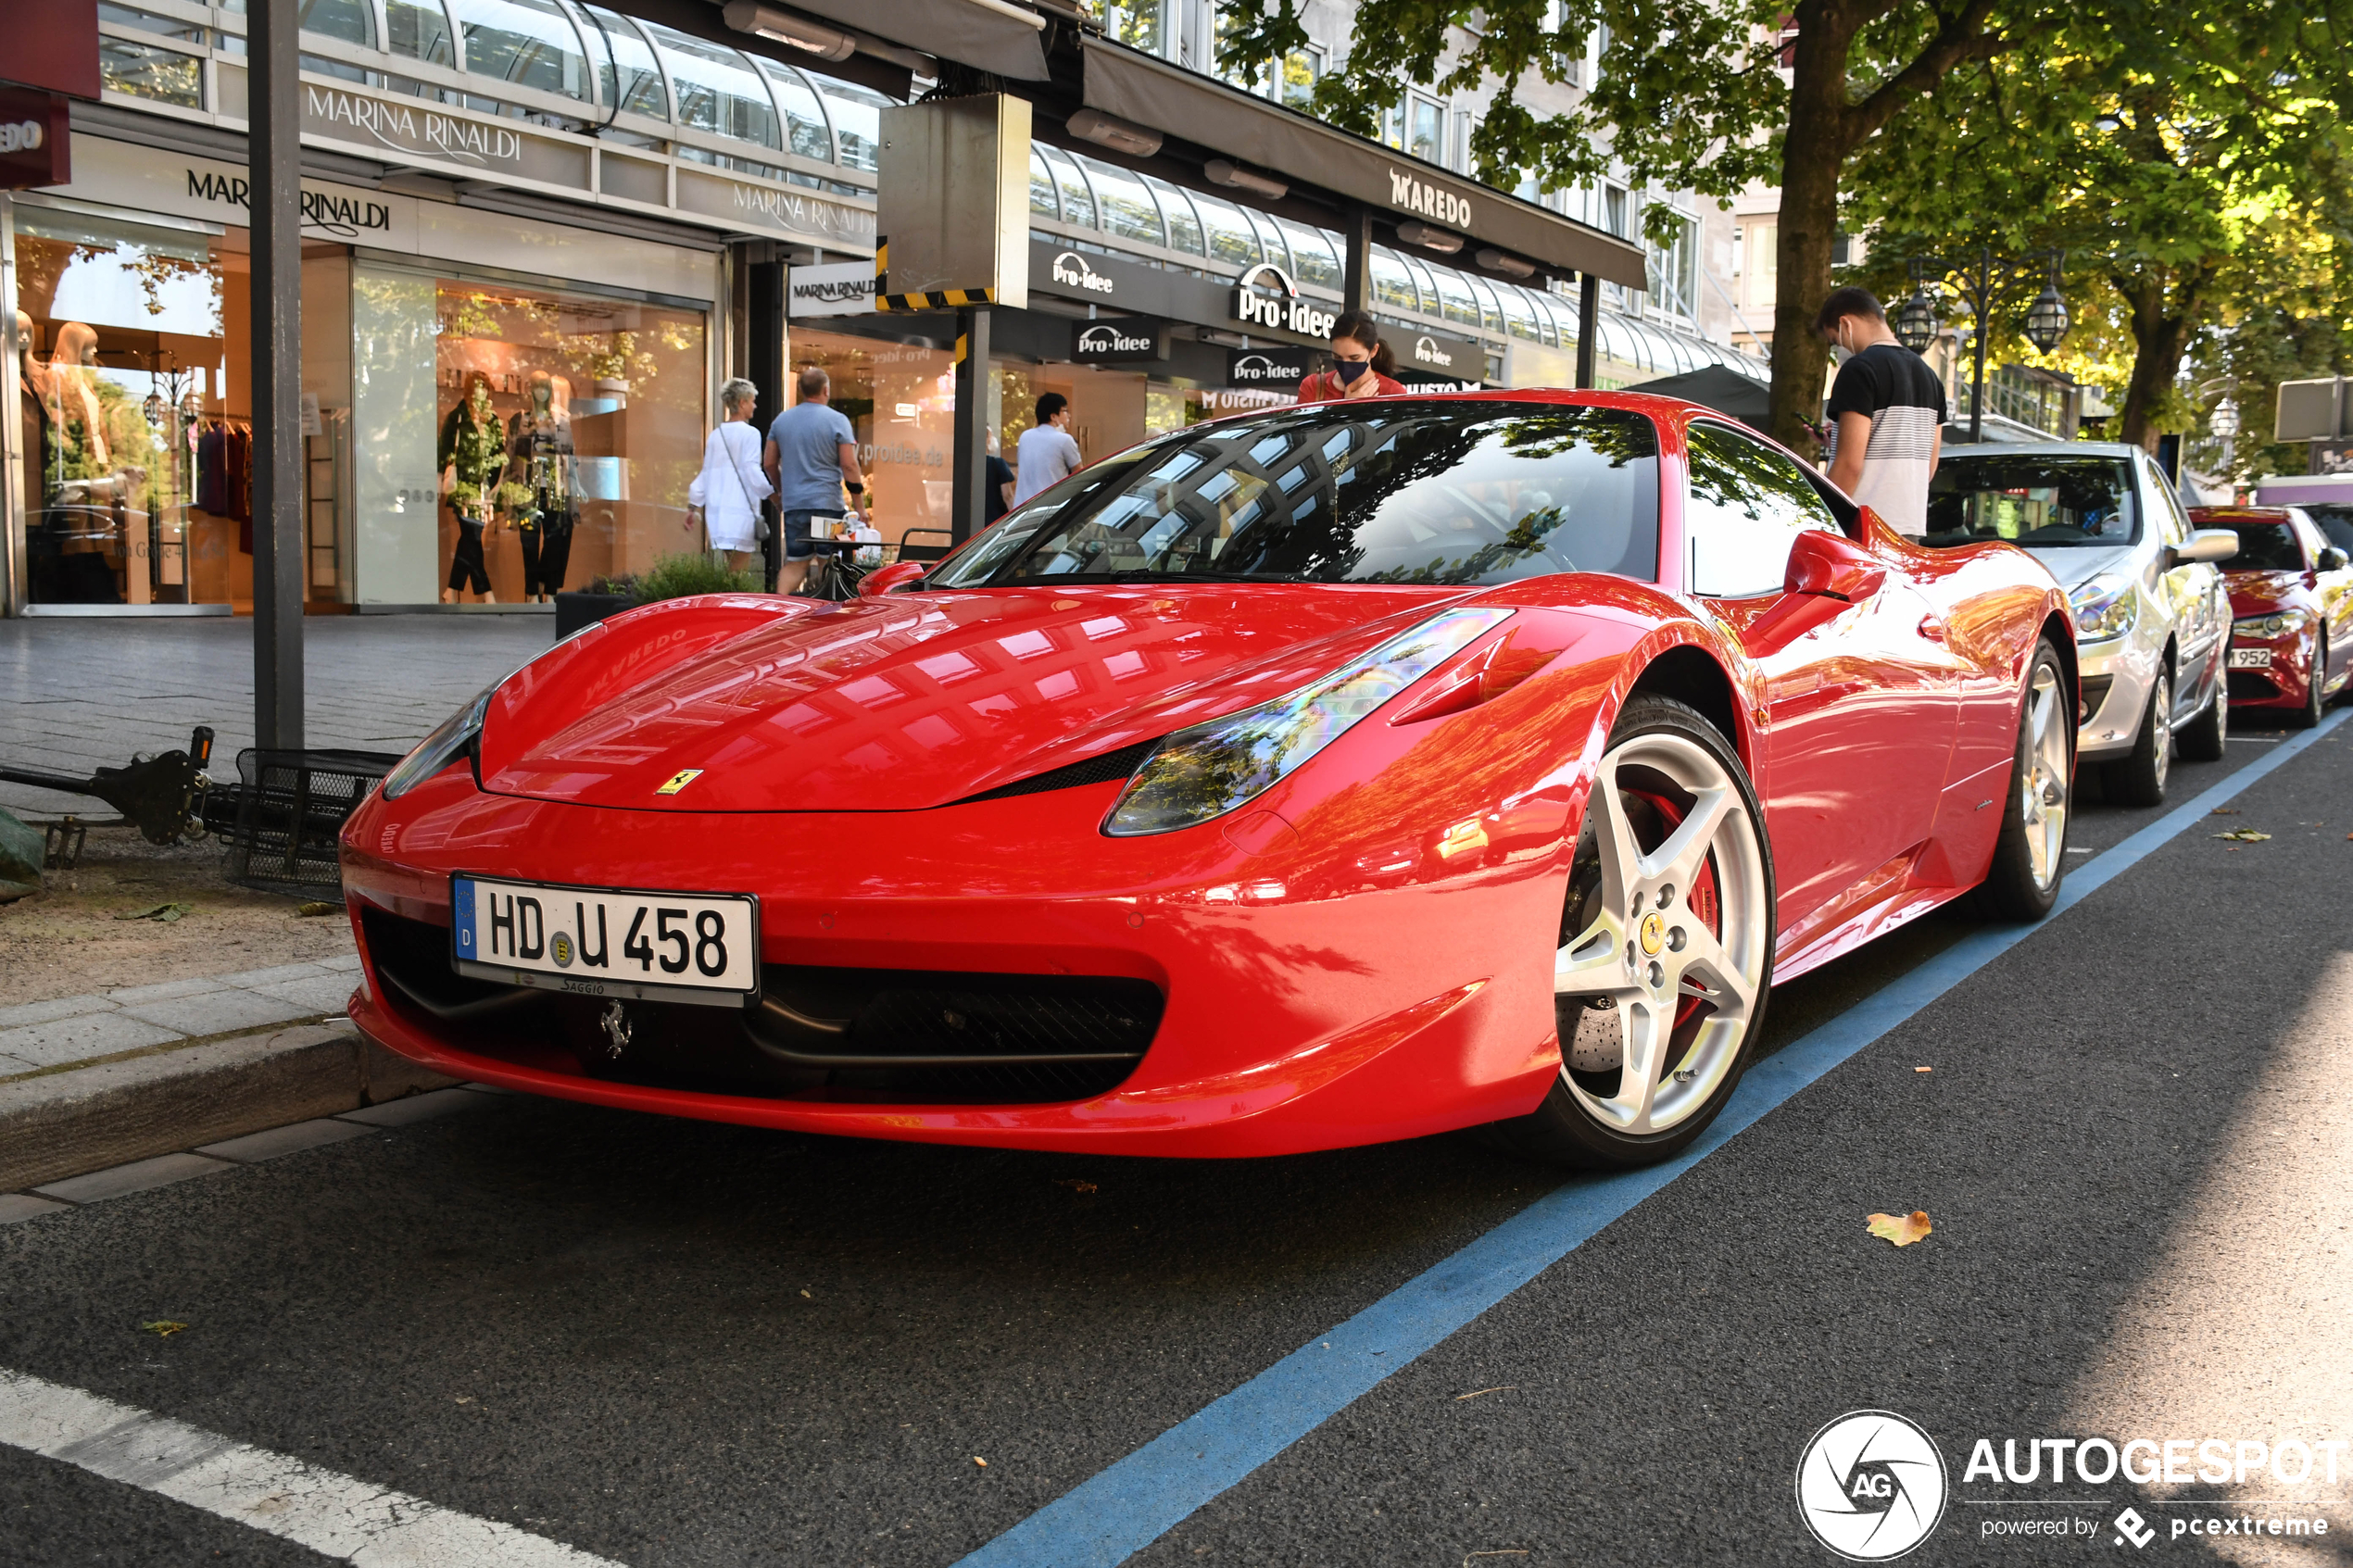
{"x":679,"y":781}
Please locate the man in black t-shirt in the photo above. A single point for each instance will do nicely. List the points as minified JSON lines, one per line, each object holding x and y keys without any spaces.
{"x":1887,"y":407}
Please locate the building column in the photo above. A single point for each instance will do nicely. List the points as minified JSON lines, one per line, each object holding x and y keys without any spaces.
{"x":764,"y":368}
{"x":968,"y":504}
{"x":1356,"y":271}
{"x":1589,"y":335}
{"x":276,"y":194}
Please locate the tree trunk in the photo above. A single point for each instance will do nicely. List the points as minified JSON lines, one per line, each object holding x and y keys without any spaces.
{"x":2161,"y":331}
{"x":1813,"y":156}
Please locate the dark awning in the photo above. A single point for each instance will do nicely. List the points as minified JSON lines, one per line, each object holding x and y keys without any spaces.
{"x":1286,"y":145}
{"x":989,"y":35}
{"x":1714,"y":386}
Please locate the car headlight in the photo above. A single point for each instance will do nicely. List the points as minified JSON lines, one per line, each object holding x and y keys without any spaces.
{"x":2267,"y":626}
{"x":1209,"y":770}
{"x":440,"y":748}
{"x":2103,"y":608}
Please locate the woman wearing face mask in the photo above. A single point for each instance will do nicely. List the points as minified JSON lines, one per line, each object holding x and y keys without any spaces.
{"x":1361,"y":364}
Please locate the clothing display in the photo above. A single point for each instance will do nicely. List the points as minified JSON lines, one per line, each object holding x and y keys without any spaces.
{"x":540,"y":461}
{"x":468,"y":571}
{"x":472,"y":445}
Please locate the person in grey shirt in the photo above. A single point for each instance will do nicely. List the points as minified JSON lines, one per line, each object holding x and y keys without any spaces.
{"x":1045,"y":455}
{"x":810,"y":458}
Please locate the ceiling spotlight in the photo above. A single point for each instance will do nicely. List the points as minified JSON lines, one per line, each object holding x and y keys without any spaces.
{"x":1505,"y":262}
{"x":794,"y":32}
{"x":1444,"y":240}
{"x":1234,"y":177}
{"x":1120,"y":135}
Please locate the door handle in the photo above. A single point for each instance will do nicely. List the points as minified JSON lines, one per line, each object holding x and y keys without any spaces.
{"x":1931,"y":627}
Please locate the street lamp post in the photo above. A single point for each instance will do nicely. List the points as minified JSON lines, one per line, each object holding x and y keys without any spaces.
{"x":1981,"y":281}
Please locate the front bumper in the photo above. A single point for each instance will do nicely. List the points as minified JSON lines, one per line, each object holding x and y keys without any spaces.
{"x":1310,"y":1000}
{"x":2116,"y":677}
{"x":2284,"y":682}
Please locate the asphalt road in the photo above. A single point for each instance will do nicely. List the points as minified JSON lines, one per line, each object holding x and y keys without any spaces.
{"x":667,"y":1343}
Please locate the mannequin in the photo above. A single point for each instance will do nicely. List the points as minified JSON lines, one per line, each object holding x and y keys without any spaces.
{"x":71,"y":397}
{"x":472,"y":446}
{"x":33,"y":383}
{"x":541,"y":462}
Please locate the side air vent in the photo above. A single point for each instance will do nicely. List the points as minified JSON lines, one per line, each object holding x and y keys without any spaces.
{"x":1110,"y":766}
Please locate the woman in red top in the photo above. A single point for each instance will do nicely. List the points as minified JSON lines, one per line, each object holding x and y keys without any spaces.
{"x":1361,"y":366}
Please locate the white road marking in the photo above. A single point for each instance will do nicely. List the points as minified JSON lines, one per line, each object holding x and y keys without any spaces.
{"x":339,"y":1515}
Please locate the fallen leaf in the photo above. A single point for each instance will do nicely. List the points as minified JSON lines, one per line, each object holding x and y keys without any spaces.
{"x":980,"y":1461}
{"x":1901,"y":1229}
{"x":163,"y":1328}
{"x":1477,"y":1392}
{"x":2244,"y":836}
{"x":318,"y":907}
{"x":805,"y":1293}
{"x":162,"y":913}
{"x":465,"y":1399}
{"x":1075,"y":1184}
{"x":1923,"y":1068}
{"x":2224,"y":812}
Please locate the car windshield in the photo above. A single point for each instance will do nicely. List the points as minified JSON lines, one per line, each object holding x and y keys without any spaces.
{"x":2263,"y":547}
{"x":2335,"y":520}
{"x":2032,"y":500}
{"x":1454,"y":493}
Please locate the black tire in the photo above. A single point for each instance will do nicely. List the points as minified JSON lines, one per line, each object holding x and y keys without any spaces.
{"x":2316,"y":700}
{"x":2204,"y":738}
{"x":2012,"y":890}
{"x":1561,"y":1130}
{"x":2139,"y":779}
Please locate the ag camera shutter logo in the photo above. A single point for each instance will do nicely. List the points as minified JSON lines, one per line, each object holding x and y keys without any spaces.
{"x":1871,"y":1485}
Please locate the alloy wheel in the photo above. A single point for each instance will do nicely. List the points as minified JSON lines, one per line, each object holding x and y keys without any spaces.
{"x":1658,"y":976}
{"x":2043,"y":783}
{"x":2161,"y":725}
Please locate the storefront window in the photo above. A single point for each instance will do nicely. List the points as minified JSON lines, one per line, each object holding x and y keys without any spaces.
{"x":1313,"y":258}
{"x":1184,"y":228}
{"x":638,"y":88}
{"x":804,"y":115}
{"x":1078,"y":202}
{"x":529,"y":43}
{"x":900,"y":400}
{"x":148,"y":21}
{"x":1128,"y":210}
{"x":857,"y":116}
{"x":718,"y":91}
{"x":420,"y":29}
{"x":1270,"y":240}
{"x":124,"y":392}
{"x":1392,"y":285}
{"x":352,"y":20}
{"x":560,"y":438}
{"x":166,"y":75}
{"x":1042,"y":199}
{"x":1520,"y":314}
{"x":1231,"y":238}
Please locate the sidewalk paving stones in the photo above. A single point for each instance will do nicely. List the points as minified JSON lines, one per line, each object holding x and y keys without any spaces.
{"x":15,"y":1206}
{"x":417,"y":1107}
{"x":96,"y":1034}
{"x":138,"y":1176}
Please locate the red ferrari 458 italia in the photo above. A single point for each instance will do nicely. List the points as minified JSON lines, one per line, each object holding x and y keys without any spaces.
{"x":1345,"y":773}
{"x":2291,"y":610}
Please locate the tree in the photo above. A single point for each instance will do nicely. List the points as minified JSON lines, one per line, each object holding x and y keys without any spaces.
{"x":1691,"y":96}
{"x":2187,"y":159}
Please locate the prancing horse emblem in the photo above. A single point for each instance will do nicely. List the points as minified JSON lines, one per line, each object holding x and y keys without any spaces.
{"x":616,"y":1027}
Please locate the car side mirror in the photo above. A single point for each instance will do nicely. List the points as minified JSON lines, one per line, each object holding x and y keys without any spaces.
{"x":2207,"y":544}
{"x":1832,"y":566}
{"x":2332,"y":559}
{"x":882,"y":580}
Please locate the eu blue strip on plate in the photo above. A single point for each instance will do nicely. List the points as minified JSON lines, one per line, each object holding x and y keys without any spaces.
{"x":461,"y":899}
{"x":1134,"y":1501}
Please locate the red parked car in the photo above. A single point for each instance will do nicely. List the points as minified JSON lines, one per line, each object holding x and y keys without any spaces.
{"x":2291,"y":611}
{"x":1338,"y":773}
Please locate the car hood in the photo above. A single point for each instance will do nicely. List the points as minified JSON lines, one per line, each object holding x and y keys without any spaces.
{"x":905,"y":701}
{"x":2260,"y":592}
{"x":2075,"y":564}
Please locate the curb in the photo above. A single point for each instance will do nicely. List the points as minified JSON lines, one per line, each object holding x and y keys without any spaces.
{"x":61,"y":1124}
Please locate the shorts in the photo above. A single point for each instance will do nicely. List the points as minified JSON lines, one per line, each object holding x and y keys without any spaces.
{"x":799,"y":545}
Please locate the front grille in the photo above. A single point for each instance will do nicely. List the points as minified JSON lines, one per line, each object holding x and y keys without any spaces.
{"x":2247,"y":685}
{"x":1110,"y":765}
{"x":901,"y":1036}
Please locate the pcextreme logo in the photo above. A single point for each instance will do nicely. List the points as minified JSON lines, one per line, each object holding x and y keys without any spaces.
{"x":1871,"y":1485}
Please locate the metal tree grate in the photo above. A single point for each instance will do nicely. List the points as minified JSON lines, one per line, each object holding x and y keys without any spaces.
{"x":283,"y":815}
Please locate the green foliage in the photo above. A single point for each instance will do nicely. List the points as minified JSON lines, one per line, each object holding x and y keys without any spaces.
{"x":675,"y":577}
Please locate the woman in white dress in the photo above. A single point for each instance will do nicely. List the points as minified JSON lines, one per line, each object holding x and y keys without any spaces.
{"x":731,"y":487}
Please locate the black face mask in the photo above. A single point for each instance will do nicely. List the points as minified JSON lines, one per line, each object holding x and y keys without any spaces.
{"x":1348,"y":373}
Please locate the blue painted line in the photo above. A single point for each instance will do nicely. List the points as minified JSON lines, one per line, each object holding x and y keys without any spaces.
{"x":1133,"y":1502}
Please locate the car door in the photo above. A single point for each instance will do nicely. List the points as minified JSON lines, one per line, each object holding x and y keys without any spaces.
{"x":1859,"y":721}
{"x":2197,"y":602}
{"x":2333,"y":587}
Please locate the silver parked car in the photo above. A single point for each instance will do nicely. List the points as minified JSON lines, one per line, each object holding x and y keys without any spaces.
{"x":2152,"y":615}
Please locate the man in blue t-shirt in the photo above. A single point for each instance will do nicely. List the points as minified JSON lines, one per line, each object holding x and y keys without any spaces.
{"x":810,"y":458}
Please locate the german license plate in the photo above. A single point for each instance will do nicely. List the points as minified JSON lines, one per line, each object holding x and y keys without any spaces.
{"x":2251,"y":658}
{"x":692,"y":948}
